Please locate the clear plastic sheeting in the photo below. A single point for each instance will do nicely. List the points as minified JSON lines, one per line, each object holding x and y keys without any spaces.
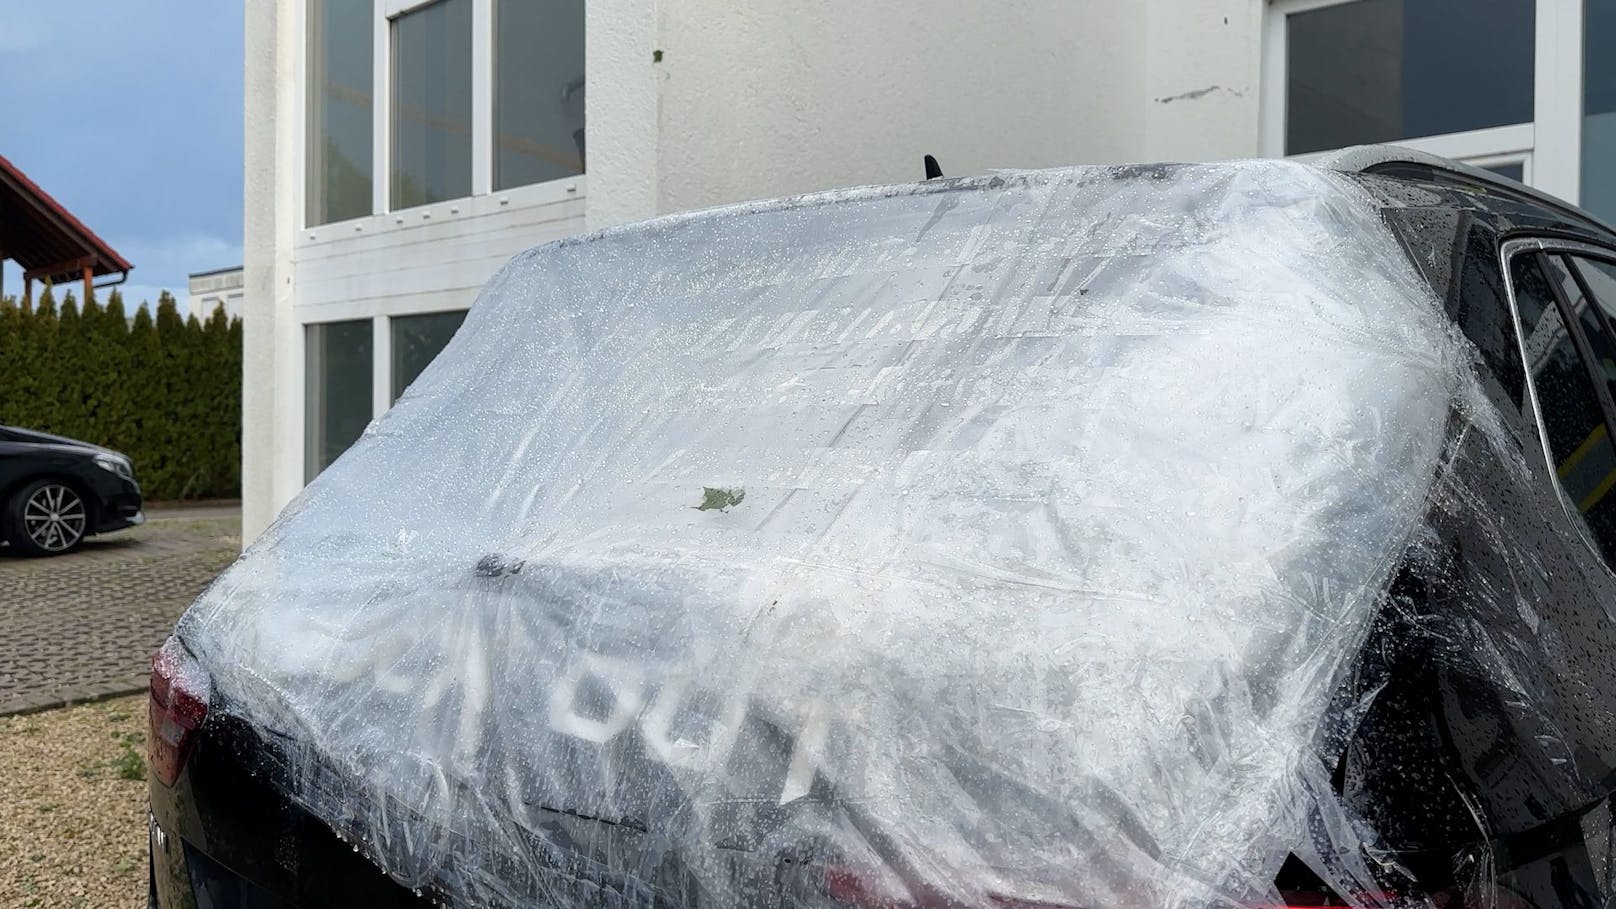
{"x":987,"y":542}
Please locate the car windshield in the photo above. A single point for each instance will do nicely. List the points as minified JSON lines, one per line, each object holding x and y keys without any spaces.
{"x":1001,"y":538}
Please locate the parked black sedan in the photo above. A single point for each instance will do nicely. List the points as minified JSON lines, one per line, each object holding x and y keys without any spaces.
{"x":55,"y":492}
{"x":1192,"y":536}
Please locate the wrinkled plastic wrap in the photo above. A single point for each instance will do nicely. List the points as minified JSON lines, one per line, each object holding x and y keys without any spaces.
{"x":980,"y":541}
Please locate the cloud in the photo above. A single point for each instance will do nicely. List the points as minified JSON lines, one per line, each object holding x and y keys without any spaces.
{"x":19,"y":37}
{"x":164,"y":263}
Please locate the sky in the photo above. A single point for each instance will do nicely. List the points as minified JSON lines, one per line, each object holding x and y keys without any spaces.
{"x":128,"y":112}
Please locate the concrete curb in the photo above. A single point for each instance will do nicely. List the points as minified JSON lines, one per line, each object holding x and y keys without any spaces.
{"x":42,"y":702}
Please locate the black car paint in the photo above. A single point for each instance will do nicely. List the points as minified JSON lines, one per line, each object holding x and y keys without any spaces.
{"x":1486,"y":802}
{"x":1492,"y":798}
{"x":25,"y":456}
{"x":230,"y":838}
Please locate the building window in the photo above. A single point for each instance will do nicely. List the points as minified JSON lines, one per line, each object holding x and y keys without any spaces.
{"x":1383,"y":70}
{"x":339,"y":110}
{"x":1599,"y":108}
{"x":431,"y":104}
{"x":1514,"y":170}
{"x":538,"y":91}
{"x":416,"y":341}
{"x":337,"y":390}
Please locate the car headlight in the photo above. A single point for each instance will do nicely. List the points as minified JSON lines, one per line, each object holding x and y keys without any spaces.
{"x":117,"y":465}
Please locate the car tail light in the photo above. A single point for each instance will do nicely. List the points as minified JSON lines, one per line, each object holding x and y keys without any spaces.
{"x":180,"y":690}
{"x":848,"y":888}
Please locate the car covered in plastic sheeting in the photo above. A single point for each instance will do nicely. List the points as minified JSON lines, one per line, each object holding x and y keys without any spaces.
{"x":1182,"y":535}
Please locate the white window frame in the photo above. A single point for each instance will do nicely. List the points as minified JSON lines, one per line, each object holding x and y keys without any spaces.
{"x":384,"y":217}
{"x":482,"y":201}
{"x":1524,"y":159}
{"x":381,"y":369}
{"x":381,"y":328}
{"x":1549,"y":148}
{"x":381,"y":364}
{"x":381,"y":344}
{"x":482,"y":98}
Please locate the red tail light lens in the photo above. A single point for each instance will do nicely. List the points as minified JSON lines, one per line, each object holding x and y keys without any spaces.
{"x":848,"y":888}
{"x":180,"y":690}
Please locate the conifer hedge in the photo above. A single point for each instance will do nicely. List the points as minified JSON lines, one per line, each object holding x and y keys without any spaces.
{"x":167,"y":393}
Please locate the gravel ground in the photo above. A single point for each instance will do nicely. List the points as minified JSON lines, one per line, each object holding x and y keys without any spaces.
{"x":73,"y":807}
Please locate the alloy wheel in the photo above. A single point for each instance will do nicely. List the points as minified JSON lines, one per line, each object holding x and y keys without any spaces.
{"x":54,"y":518}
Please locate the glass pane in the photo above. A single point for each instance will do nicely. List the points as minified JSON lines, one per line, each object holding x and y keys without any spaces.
{"x":339,"y":99}
{"x":416,"y":340}
{"x":1601,"y":279}
{"x":432,"y":104}
{"x":1382,"y":70}
{"x":1599,"y":108}
{"x":1595,"y":328}
{"x":1515,"y":171}
{"x":1601,"y":283}
{"x":1584,"y":460}
{"x":538,"y":91}
{"x":337,"y":402}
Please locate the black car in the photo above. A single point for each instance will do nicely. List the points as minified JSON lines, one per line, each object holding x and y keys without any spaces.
{"x":1189,"y":535}
{"x":55,"y":491}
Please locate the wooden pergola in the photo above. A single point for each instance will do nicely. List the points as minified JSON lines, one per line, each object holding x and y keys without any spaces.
{"x":49,"y":243}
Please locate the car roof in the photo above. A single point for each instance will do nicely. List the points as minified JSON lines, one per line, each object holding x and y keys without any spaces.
{"x":1411,"y":165}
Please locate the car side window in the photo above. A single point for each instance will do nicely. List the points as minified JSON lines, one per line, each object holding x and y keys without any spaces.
{"x":1579,"y":443}
{"x":1599,"y":278}
{"x":1595,"y":322}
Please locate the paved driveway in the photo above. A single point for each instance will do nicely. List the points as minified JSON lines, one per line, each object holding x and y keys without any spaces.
{"x":84,"y":625}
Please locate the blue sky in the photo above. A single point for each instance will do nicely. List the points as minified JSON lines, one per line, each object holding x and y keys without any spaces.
{"x":129,"y":113}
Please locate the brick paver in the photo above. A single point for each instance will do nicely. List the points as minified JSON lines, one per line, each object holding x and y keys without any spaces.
{"x":83,"y":626}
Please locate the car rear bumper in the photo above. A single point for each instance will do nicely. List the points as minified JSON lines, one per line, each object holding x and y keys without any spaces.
{"x":225,"y":837}
{"x":185,"y":876}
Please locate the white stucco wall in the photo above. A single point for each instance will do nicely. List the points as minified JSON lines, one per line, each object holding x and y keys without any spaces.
{"x":271,"y":349}
{"x":774,"y":98}
{"x":620,"y":113}
{"x":1202,"y":79}
{"x":766,"y":99}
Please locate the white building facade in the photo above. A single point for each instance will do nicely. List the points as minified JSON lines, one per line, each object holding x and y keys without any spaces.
{"x":400,"y":151}
{"x":206,"y":291}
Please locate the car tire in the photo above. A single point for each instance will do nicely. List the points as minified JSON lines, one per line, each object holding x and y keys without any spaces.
{"x":46,"y":517}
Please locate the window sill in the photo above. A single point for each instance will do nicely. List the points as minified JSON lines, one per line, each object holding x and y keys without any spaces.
{"x":449,"y":210}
